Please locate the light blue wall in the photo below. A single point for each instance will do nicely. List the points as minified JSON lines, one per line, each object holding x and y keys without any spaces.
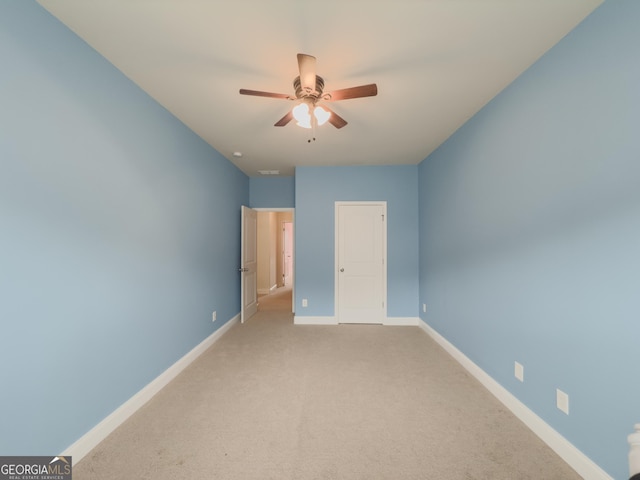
{"x":119,"y":235}
{"x":530,"y":235}
{"x":272,"y":192}
{"x":317,"y":190}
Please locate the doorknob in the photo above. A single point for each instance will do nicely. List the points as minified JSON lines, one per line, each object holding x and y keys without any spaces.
{"x":342,"y":269}
{"x":243,"y":269}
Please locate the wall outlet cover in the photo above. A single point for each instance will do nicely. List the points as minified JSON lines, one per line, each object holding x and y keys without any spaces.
{"x":562,"y":401}
{"x":519,"y":371}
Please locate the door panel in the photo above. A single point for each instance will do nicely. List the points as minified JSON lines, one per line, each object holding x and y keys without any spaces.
{"x":248,"y":264}
{"x":361,"y":263}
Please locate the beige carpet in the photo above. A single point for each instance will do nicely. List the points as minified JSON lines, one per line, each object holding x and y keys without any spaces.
{"x":272,"y":400}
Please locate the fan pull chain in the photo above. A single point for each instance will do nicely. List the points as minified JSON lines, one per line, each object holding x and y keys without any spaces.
{"x":314,"y":124}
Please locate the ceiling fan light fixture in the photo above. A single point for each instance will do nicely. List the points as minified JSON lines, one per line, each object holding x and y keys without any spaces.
{"x":309,"y":89}
{"x":301,"y":113}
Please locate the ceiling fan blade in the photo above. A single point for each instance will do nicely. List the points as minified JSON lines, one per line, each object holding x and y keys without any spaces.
{"x":335,"y":119}
{"x":257,"y":93}
{"x":307,"y":67}
{"x":284,"y":120}
{"x":370,"y":90}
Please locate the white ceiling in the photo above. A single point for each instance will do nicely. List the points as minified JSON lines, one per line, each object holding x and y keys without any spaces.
{"x":436,"y":63}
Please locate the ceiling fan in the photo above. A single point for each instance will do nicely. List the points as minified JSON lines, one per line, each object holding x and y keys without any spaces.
{"x":309,"y":89}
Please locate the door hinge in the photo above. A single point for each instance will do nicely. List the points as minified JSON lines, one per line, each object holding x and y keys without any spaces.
{"x":383,"y":217}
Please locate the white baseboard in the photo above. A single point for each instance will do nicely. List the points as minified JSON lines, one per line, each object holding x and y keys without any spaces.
{"x":582,"y":464}
{"x":98,"y":433}
{"x":389,"y":321}
{"x":298,"y":320}
{"x":401,"y":321}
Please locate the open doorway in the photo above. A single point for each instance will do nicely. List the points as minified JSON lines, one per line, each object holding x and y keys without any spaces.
{"x":275,"y":260}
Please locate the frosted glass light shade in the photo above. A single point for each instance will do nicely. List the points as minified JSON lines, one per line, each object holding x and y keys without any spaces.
{"x":301,"y":114}
{"x":321,"y":115}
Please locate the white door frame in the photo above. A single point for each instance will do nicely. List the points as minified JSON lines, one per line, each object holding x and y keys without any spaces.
{"x":383,"y":204}
{"x":293,"y":248}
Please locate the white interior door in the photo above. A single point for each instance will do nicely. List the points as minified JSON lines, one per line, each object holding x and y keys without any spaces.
{"x":361,"y":262}
{"x":248,"y":264}
{"x":287,"y":252}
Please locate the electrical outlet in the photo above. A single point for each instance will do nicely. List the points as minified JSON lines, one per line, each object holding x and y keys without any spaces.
{"x":562,"y":401}
{"x":214,"y":316}
{"x":305,"y":303}
{"x":424,"y":308}
{"x":519,"y":371}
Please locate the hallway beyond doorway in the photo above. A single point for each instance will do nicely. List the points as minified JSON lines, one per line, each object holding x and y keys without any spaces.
{"x":279,"y":300}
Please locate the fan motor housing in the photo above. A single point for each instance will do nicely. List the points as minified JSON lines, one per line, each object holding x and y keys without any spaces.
{"x":301,"y":93}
